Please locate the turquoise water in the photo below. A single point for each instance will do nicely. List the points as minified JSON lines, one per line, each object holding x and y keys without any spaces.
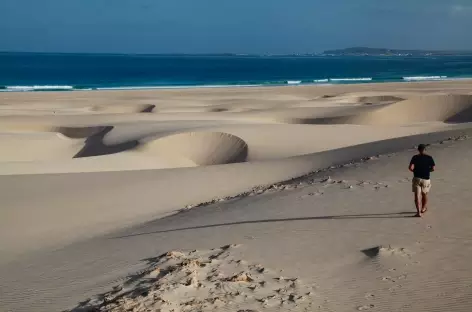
{"x":38,"y":72}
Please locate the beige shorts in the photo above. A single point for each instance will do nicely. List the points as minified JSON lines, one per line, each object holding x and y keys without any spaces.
{"x":421,"y":185}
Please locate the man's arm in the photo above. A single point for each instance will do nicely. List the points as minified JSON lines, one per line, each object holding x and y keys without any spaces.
{"x":412,"y":164}
{"x":433,"y":165}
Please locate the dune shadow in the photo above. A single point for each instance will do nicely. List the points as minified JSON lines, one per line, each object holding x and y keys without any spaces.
{"x":94,"y":145}
{"x":334,"y":217}
{"x":371,"y":252}
{"x":321,"y":120}
{"x":148,"y":109}
{"x":218,"y":109}
{"x":461,"y":117}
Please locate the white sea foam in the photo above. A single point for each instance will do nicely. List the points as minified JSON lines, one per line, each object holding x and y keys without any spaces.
{"x":294,"y":82}
{"x":321,"y":80}
{"x":133,"y":88}
{"x":38,"y":88}
{"x":180,"y":87}
{"x":458,"y":78}
{"x":351,"y":79}
{"x":423,"y":78}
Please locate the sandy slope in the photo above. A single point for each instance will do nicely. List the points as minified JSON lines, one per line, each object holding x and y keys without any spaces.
{"x":76,"y":166}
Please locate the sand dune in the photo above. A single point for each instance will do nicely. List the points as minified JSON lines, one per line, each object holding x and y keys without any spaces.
{"x":447,"y":108}
{"x":93,"y":182}
{"x":56,"y":143}
{"x":451,"y":108}
{"x":21,"y":147}
{"x":198,"y":149}
{"x":123,"y":108}
{"x":319,"y":115}
{"x":78,"y":132}
{"x":378,"y":99}
{"x":28,"y":127}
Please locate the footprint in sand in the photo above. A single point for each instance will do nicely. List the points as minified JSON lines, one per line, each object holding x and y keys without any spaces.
{"x":311,"y":195}
{"x":380,"y":251}
{"x":369,"y":296}
{"x":394,"y":288}
{"x":394,"y":279}
{"x":365,"y":307}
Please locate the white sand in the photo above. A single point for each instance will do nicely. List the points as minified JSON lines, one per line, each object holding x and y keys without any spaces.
{"x":80,"y":173}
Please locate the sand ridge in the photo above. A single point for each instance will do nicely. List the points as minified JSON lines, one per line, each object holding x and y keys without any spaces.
{"x":384,"y":111}
{"x":452,"y":108}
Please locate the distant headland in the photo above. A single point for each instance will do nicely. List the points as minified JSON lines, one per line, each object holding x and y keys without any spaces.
{"x":364,"y":51}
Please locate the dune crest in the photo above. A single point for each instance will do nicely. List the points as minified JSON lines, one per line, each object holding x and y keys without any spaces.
{"x":123,"y":108}
{"x":446,"y":108}
{"x":449,"y":108}
{"x":78,"y":132}
{"x":198,"y":149}
{"x":368,"y":100}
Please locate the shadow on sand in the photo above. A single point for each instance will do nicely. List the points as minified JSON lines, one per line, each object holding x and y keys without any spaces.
{"x":339,"y":217}
{"x":94,"y":145}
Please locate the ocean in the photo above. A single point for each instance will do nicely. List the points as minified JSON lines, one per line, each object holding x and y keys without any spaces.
{"x":46,"y":72}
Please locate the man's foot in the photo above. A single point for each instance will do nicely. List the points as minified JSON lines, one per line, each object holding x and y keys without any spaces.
{"x":418,"y":215}
{"x":424,"y":210}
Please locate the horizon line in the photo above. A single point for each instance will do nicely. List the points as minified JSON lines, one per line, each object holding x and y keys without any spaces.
{"x":232,"y":53}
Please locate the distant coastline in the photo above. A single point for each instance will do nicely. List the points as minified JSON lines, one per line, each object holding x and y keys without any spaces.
{"x":351,"y":51}
{"x":364,"y":51}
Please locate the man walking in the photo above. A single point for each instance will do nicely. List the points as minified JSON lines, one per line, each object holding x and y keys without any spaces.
{"x":421,"y":165}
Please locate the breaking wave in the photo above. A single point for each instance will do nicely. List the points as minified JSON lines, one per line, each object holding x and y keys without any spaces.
{"x":351,"y":79}
{"x":424,"y":78}
{"x":38,"y":88}
{"x":235,"y":84}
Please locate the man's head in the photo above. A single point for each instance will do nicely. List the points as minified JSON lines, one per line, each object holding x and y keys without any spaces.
{"x":421,"y":148}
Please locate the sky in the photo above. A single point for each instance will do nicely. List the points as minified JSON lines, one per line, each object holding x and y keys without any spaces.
{"x":232,"y":26}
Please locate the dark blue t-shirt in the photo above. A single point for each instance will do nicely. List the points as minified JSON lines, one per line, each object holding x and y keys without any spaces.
{"x":423,"y":166}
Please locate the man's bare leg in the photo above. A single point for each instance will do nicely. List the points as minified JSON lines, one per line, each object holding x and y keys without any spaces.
{"x":424,"y":202}
{"x":417,"y":204}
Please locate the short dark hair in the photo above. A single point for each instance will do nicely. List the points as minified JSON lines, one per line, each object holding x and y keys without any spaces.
{"x":421,"y":147}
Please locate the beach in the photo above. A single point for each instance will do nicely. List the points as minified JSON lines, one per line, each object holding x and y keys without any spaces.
{"x":293,"y":198}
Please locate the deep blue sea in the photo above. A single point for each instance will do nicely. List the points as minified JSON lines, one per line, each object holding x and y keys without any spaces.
{"x":39,"y":72}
